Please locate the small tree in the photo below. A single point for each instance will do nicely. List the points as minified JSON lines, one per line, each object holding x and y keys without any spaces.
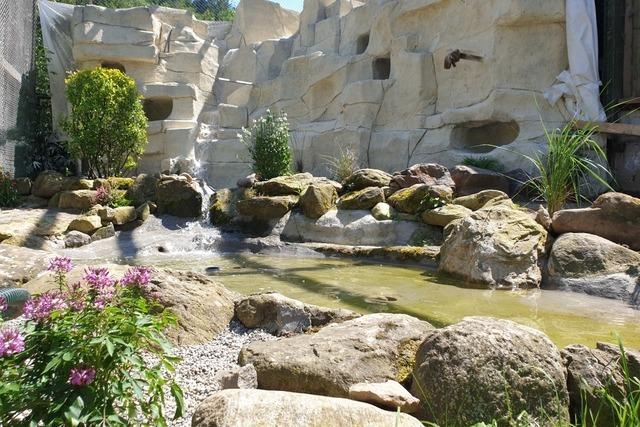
{"x":107,"y":125}
{"x":268,"y":142}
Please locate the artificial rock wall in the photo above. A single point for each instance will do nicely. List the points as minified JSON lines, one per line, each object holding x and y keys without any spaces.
{"x":365,"y":76}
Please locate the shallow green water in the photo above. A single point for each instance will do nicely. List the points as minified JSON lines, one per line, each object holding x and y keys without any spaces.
{"x":367,"y":288}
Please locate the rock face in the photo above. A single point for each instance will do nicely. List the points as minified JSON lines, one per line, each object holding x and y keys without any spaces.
{"x":409,"y":199}
{"x":363,"y":178}
{"x":263,"y":408}
{"x":203,"y":307}
{"x":281,"y":315}
{"x":592,"y":370}
{"x":317,"y":200}
{"x":424,"y":173}
{"x":496,"y":246}
{"x":344,"y":227}
{"x":614,"y":216}
{"x":19,"y":265}
{"x":178,"y":197}
{"x":389,"y":394}
{"x":444,"y":214}
{"x":470,"y":180}
{"x":582,"y":262}
{"x":371,"y":348}
{"x":362,"y":199}
{"x":477,"y":200}
{"x":487,"y":369}
{"x":266,"y":208}
{"x":78,"y":199}
{"x":47,"y":184}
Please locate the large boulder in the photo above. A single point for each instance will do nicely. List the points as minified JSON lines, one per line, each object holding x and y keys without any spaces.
{"x":591,"y":371}
{"x":614,"y":216}
{"x":495,"y":246}
{"x":223,"y":205}
{"x":284,"y":185}
{"x":19,"y":265}
{"x":389,"y":394}
{"x":279,"y":315}
{"x":179,"y":197}
{"x":371,"y":348}
{"x":346,"y":227}
{"x":587,"y":263}
{"x":75,"y":183}
{"x":77,"y":199}
{"x":484,"y":369}
{"x":476,"y":201}
{"x":86,"y":224}
{"x":361,"y":199}
{"x":124,"y":214}
{"x":47,"y":184}
{"x":75,"y":239}
{"x":266,"y":208}
{"x":383,"y":212}
{"x":143,"y":189}
{"x":247,"y":407}
{"x":318,"y":199}
{"x":363,"y":178}
{"x":443,"y":215}
{"x":423,"y":173}
{"x":409,"y":200}
{"x":470,"y":179}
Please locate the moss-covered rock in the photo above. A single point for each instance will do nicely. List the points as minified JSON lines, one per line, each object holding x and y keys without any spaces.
{"x":120,"y":183}
{"x":443,"y":215}
{"x":47,"y":184}
{"x":364,"y":178}
{"x":142,"y":190}
{"x":410,"y":200}
{"x":362,"y":199}
{"x":284,"y":185}
{"x":266,"y":208}
{"x":77,"y":199}
{"x":178,"y":197}
{"x":383,"y":212}
{"x":318,"y":199}
{"x":477,"y":200}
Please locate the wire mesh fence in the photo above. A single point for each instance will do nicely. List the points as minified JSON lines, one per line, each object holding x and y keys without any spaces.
{"x":17,"y":25}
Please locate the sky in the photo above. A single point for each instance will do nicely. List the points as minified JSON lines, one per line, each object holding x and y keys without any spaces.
{"x":291,"y":4}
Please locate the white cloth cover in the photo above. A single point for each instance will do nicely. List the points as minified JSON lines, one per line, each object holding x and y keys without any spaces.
{"x":579,"y":87}
{"x":55,"y":21}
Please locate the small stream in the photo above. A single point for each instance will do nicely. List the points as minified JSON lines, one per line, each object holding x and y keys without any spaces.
{"x":363,"y":286}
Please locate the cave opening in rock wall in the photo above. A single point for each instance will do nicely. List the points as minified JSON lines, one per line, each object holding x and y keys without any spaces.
{"x":362,"y":43}
{"x":113,"y":66}
{"x":482,"y":137}
{"x":381,"y":68}
{"x":157,"y":108}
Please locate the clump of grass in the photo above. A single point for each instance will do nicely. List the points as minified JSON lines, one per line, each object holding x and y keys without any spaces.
{"x":484,"y":162}
{"x":345,"y":164}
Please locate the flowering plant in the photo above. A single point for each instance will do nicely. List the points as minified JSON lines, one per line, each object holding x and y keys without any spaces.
{"x":89,"y":353}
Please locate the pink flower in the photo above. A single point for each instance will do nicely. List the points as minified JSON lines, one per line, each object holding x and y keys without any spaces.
{"x":41,"y":307}
{"x":137,"y":276}
{"x":3,"y":304}
{"x":82,"y":375}
{"x":98,"y":278}
{"x":11,"y":342}
{"x":60,"y":265}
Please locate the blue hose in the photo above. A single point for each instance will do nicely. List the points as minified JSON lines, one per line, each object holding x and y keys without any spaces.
{"x":15,"y":296}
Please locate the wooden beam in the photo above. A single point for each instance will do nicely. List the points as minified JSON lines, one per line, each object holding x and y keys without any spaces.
{"x":612,"y":128}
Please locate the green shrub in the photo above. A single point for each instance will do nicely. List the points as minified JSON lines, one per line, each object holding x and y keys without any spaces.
{"x":344,"y":165}
{"x":88,"y":354}
{"x":107,"y":125}
{"x":111,"y":197}
{"x":9,"y":196}
{"x":268,"y":142}
{"x":431,"y":202}
{"x":484,"y":162}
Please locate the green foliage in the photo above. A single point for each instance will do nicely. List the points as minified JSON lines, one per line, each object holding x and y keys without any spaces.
{"x":431,"y":202}
{"x":112,"y":197}
{"x":344,"y":165}
{"x":92,"y":354}
{"x":268,"y":142}
{"x":9,"y":196}
{"x":107,"y":125}
{"x":484,"y":162}
{"x":572,"y":160}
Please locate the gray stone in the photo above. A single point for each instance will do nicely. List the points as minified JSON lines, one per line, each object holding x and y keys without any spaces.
{"x":75,"y":239}
{"x":103,"y":232}
{"x":389,"y":394}
{"x":47,"y":184}
{"x":488,"y":369}
{"x":279,"y":315}
{"x":477,"y":200}
{"x":262,"y":408}
{"x":178,"y":197}
{"x":470,"y":180}
{"x":143,"y":189}
{"x":363,"y":178}
{"x":361,"y":199}
{"x":244,"y":377}
{"x":19,"y":265}
{"x":443,"y":215}
{"x":371,"y":348}
{"x":266,"y":208}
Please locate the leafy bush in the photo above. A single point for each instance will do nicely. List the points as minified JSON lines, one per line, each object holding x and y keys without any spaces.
{"x":91,"y":354}
{"x":572,"y":160}
{"x":268,"y":142}
{"x":9,"y":196}
{"x":344,"y":165}
{"x":484,"y":162}
{"x":107,"y":125}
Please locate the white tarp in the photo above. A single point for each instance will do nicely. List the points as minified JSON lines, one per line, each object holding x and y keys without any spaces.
{"x":579,"y":87}
{"x":55,"y":21}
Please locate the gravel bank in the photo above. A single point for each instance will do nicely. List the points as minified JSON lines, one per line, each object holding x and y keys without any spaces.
{"x":201,"y":364}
